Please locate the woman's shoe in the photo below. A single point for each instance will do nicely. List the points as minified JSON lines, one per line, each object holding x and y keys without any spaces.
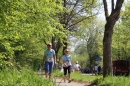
{"x":69,"y":81}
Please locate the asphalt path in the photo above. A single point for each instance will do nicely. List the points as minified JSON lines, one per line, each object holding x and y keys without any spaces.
{"x":60,"y":82}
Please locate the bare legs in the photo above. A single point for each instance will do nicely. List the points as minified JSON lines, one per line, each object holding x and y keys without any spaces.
{"x":48,"y":75}
{"x":68,"y":77}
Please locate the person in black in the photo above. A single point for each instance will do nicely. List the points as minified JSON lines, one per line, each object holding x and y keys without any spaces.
{"x":99,"y":70}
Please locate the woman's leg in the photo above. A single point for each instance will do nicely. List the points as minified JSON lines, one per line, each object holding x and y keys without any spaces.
{"x":65,"y":72}
{"x":69,"y":72}
{"x":46,"y":68}
{"x":50,"y":68}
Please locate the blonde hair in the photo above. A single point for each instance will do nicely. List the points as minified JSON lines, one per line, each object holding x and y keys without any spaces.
{"x":66,"y":50}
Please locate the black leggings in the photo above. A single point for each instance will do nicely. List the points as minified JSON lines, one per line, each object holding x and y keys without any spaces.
{"x":67,"y":68}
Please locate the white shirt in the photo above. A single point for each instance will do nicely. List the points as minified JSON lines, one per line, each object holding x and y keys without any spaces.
{"x":76,"y":66}
{"x":96,"y":68}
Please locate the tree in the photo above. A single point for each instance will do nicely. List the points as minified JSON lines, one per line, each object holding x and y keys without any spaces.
{"x":107,"y":40}
{"x":121,"y":38}
{"x":24,"y":23}
{"x":76,"y":11}
{"x":91,"y":37}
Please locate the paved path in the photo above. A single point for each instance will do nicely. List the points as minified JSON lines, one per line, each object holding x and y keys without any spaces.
{"x":60,"y":82}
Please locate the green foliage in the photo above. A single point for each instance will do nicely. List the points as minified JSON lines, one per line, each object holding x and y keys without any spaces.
{"x":121,"y":39}
{"x":125,"y":15}
{"x":24,"y":26}
{"x":91,"y":37}
{"x":83,"y":59}
{"x":121,"y":43}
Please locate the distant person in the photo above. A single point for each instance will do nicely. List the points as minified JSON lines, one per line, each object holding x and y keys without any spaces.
{"x":76,"y":66}
{"x":99,"y":70}
{"x":67,"y":64}
{"x":95,"y":69}
{"x":49,"y":59}
{"x":92,"y":69}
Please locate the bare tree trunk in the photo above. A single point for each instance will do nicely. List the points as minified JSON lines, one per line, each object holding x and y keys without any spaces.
{"x":107,"y":50}
{"x":107,"y":40}
{"x":56,"y":45}
{"x":91,"y":65}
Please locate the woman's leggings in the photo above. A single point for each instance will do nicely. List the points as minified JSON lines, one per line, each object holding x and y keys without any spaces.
{"x":67,"y":68}
{"x":48,"y":67}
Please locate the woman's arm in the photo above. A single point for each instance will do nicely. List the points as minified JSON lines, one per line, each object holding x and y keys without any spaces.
{"x":54,"y":59}
{"x":44,"y":58}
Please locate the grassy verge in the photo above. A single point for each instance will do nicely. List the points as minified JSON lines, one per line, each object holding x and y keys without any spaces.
{"x":114,"y":81}
{"x":98,"y":80}
{"x":22,"y":78}
{"x":27,"y":77}
{"x":76,"y":76}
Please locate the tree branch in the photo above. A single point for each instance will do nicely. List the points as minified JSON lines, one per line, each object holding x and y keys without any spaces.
{"x":116,"y":12}
{"x":112,"y":5}
{"x":105,"y":9}
{"x":80,"y":21}
{"x":72,"y":10}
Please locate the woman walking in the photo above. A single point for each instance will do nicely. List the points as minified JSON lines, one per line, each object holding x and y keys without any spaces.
{"x":66,"y":58}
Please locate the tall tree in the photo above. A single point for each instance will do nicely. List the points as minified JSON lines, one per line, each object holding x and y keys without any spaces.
{"x":27,"y":22}
{"x":107,"y":40}
{"x":76,"y":11}
{"x":91,"y":37}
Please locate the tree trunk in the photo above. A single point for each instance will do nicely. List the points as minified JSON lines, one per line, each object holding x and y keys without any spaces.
{"x":56,"y":45}
{"x":107,"y":50}
{"x":91,"y":64}
{"x":107,"y":40}
{"x":65,"y":46}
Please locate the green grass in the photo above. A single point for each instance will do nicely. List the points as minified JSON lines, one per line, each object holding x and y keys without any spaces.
{"x":76,"y":76}
{"x":83,"y":78}
{"x":22,"y":78}
{"x":115,"y":81}
{"x":27,"y":77}
{"x":99,"y":80}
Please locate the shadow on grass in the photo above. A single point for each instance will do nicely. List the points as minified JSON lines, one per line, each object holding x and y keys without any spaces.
{"x":96,"y":83}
